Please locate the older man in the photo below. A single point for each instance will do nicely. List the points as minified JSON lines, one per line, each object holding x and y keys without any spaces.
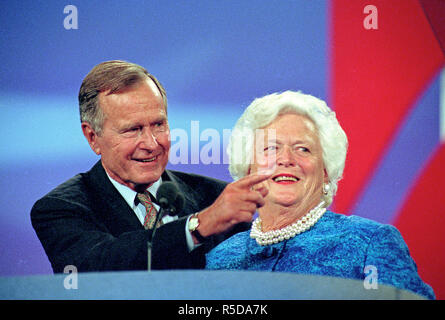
{"x":102,"y":219}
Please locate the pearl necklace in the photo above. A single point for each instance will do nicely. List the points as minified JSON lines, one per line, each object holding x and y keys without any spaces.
{"x":290,"y":231}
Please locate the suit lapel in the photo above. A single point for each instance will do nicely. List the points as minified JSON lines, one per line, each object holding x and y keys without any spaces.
{"x":110,"y":206}
{"x":111,"y":209}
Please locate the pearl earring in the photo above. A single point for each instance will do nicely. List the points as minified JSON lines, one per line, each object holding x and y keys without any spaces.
{"x":326,"y":188}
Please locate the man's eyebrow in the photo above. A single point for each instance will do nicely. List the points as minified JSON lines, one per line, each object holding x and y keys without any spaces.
{"x":128,"y":125}
{"x":161,"y":117}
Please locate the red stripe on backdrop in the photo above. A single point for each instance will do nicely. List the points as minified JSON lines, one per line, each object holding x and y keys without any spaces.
{"x":422,"y":223}
{"x":435,"y":12}
{"x":376,"y":76}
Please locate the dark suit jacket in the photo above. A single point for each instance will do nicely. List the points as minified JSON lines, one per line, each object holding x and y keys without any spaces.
{"x":85,"y":222}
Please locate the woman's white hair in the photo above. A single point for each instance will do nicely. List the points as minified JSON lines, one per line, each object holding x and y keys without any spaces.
{"x":262,"y":111}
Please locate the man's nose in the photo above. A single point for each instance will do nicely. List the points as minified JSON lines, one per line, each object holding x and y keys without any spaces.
{"x":148,"y":140}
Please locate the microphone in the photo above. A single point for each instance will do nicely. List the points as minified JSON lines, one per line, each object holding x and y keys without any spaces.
{"x":171,"y":202}
{"x":178,"y":204}
{"x":169,"y":198}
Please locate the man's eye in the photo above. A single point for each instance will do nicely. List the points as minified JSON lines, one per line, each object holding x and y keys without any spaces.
{"x":270,"y":148}
{"x":132,"y":129}
{"x":304,"y":149}
{"x":159,"y":126}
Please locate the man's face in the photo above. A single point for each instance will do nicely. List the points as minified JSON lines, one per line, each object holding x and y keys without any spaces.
{"x":135,"y":140}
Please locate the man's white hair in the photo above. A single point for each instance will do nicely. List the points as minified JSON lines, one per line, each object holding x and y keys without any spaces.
{"x":262,"y":111}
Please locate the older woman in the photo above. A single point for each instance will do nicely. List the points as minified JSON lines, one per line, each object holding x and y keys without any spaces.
{"x":299,"y":138}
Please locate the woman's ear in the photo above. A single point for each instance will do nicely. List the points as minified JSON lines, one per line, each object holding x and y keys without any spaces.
{"x":326,"y":177}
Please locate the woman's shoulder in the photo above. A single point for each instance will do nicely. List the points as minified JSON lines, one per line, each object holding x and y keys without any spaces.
{"x":356,"y":225}
{"x":350,"y":220}
{"x":235,"y":243}
{"x":228,"y":251}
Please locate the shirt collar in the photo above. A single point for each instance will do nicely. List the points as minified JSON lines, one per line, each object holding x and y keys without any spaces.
{"x":128,"y":194}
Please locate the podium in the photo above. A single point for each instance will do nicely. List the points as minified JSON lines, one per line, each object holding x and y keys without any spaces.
{"x":193,"y":285}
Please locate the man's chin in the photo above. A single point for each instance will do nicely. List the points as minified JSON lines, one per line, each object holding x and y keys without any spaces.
{"x":141,"y":185}
{"x":148,"y":179}
{"x":144,"y":177}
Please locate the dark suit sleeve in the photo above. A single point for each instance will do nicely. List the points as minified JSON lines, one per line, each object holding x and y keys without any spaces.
{"x":71,"y":236}
{"x":86,"y":223}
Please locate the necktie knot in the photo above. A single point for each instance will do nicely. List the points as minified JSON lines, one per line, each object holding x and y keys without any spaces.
{"x":150,"y":210}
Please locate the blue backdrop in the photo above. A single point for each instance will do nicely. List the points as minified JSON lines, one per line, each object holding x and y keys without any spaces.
{"x":213,"y":57}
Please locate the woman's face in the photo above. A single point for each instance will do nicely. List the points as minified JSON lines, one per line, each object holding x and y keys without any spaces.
{"x":292,"y":150}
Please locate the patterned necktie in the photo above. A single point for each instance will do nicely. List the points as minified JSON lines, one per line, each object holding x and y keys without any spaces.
{"x":151,"y":212}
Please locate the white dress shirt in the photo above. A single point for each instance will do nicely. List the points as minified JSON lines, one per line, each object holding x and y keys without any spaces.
{"x":129,"y":196}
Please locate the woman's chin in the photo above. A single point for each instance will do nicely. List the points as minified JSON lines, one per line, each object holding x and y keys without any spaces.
{"x":286,"y":201}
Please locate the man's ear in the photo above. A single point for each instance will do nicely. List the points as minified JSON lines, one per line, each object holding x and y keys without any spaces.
{"x":91,"y":137}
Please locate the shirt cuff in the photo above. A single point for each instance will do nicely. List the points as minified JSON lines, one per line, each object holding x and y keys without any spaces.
{"x":188,"y":236}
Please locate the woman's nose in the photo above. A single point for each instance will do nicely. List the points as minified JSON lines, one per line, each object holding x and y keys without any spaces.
{"x":285,"y":157}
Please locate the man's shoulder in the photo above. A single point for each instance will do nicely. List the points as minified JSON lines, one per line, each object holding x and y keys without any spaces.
{"x":197,"y":180}
{"x":74,"y":190}
{"x":198,"y":190}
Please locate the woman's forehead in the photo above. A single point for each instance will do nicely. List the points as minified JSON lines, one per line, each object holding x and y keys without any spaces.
{"x":296,"y":126}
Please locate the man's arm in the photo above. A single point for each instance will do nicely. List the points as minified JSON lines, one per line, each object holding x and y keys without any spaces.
{"x":70,"y":235}
{"x":235,"y":205}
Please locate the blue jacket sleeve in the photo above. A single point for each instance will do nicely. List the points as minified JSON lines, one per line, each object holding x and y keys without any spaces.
{"x":389,"y":254}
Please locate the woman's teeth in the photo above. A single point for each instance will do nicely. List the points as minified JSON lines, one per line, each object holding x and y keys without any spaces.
{"x":285,"y":178}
